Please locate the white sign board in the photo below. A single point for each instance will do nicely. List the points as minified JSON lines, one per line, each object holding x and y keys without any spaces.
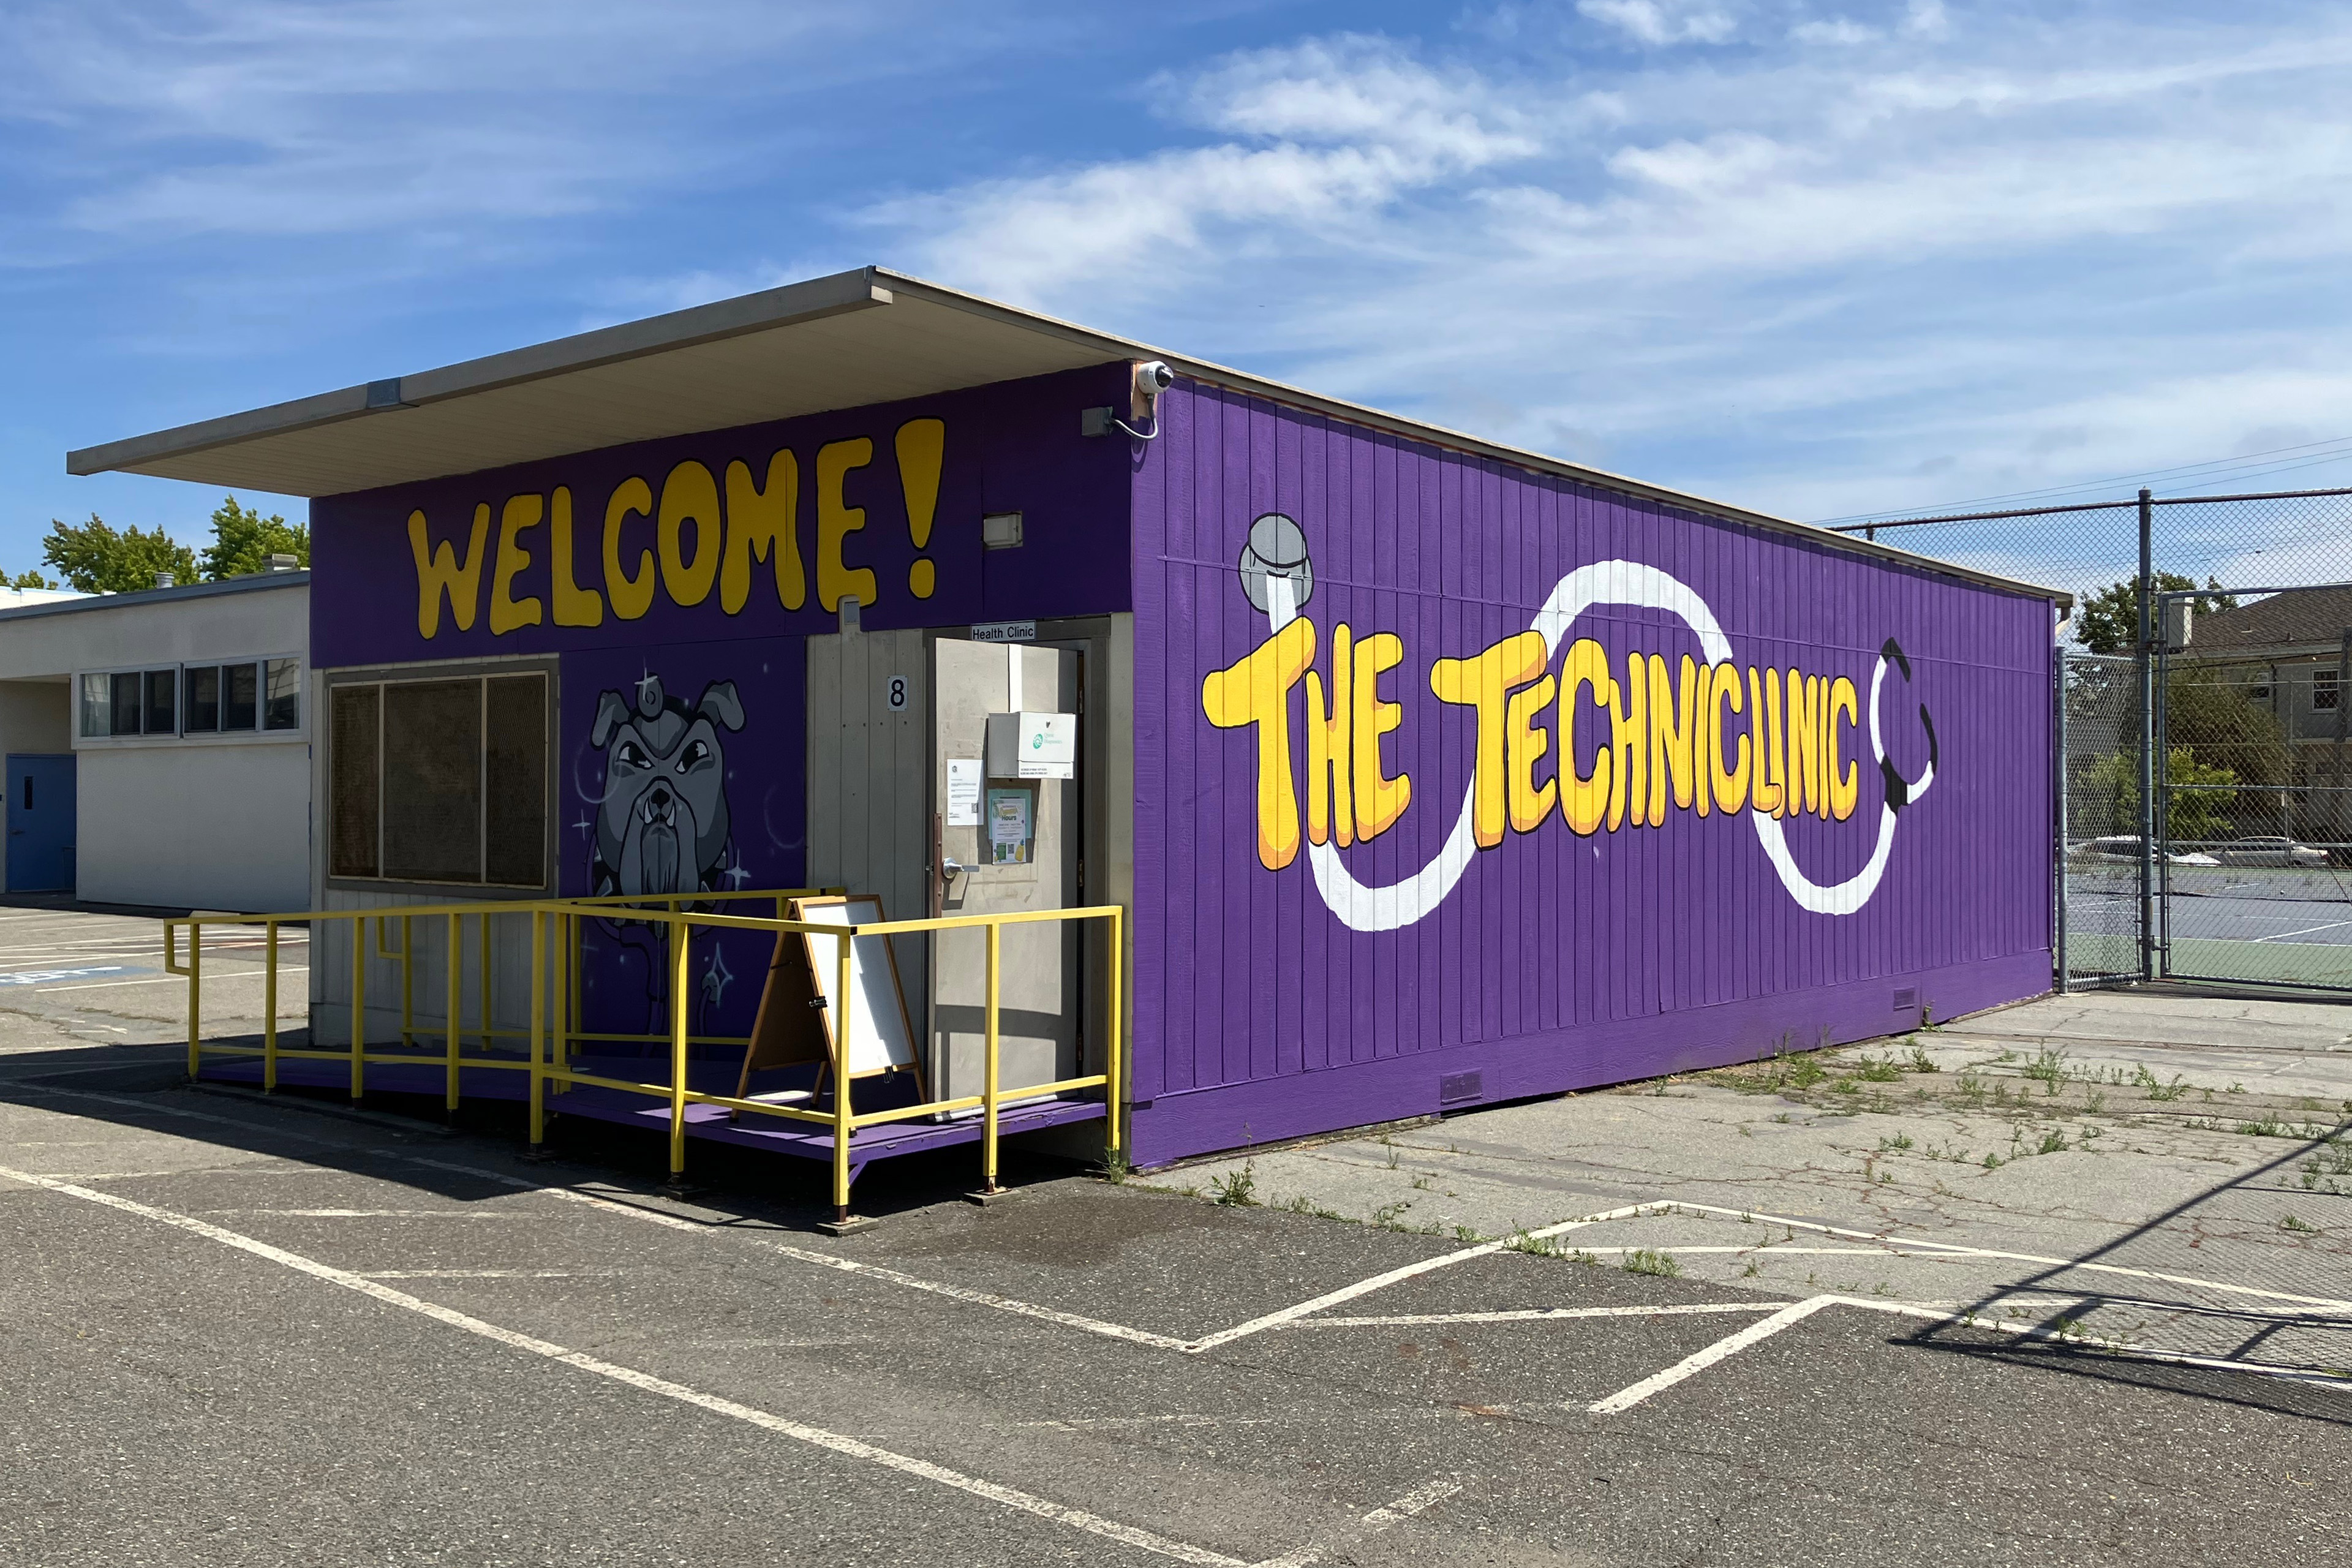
{"x":963,"y":792}
{"x":1033,"y":746}
{"x":878,"y":1037}
{"x":894,"y":693}
{"x":1005,"y":631}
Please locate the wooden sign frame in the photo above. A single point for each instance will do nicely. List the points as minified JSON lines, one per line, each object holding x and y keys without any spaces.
{"x":793,"y":1025}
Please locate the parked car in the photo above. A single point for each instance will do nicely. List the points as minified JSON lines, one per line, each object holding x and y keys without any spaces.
{"x":2265,"y":851}
{"x":2126,"y":847}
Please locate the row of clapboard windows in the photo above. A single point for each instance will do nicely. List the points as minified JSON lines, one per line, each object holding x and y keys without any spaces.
{"x":246,"y":696}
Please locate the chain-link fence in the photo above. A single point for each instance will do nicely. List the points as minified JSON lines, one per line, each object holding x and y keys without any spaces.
{"x":2100,"y":893}
{"x":2234,"y":614}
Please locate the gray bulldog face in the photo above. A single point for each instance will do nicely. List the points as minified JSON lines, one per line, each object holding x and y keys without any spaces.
{"x":662,"y":827}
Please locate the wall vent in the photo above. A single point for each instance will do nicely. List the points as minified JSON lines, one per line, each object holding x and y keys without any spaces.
{"x":1906,"y":998}
{"x":1461,"y":1088}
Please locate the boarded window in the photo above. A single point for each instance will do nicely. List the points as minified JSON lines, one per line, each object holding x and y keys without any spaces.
{"x":433,"y":780}
{"x":441,"y":781}
{"x":515,"y":807}
{"x":351,"y":754}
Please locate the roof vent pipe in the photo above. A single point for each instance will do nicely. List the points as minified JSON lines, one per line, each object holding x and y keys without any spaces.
{"x":164,"y":580}
{"x":285,"y":564}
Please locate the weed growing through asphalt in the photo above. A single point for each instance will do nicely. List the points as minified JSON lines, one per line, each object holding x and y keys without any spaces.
{"x":2049,"y":1068}
{"x":1647,"y":1260}
{"x":1875,"y":1069}
{"x":1900,"y":1141}
{"x":2328,"y":1168}
{"x":1115,"y":1169}
{"x":1920,"y":1061}
{"x":1385,"y":1217}
{"x":2290,"y":1222}
{"x":1235,"y":1189}
{"x":1422,"y":1183}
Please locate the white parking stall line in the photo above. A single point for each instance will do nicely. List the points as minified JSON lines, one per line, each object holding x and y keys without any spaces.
{"x":815,"y":1437}
{"x":1397,"y":1276}
{"x":1541,"y":1315}
{"x":1419,"y":1501}
{"x":989,"y":1299}
{"x":1732,"y":1344}
{"x":1305,"y":1314}
{"x":1698,"y":1362}
{"x":377,"y":1214}
{"x":1959,"y":1249}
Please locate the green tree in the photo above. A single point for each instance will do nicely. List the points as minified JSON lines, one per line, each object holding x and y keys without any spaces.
{"x":96,"y":559}
{"x":243,"y":540}
{"x":2199,"y":796}
{"x":2108,"y":620}
{"x":28,"y":578}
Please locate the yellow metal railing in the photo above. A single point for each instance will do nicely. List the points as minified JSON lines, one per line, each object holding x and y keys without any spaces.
{"x":555,"y":1033}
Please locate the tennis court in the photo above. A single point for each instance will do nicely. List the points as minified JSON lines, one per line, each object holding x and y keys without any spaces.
{"x":2285,"y":925}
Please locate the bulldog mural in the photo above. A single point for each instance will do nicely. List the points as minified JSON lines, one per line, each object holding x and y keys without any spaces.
{"x":661,"y":823}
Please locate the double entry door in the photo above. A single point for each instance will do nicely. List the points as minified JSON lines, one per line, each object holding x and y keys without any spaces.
{"x":906,"y":801}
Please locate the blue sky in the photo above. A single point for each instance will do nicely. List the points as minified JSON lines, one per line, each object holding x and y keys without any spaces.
{"x":1816,"y":258}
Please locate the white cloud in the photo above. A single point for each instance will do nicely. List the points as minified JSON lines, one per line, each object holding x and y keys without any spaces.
{"x":1834,"y":30}
{"x":1926,"y":18}
{"x":1663,"y":21}
{"x":1930,"y":264}
{"x":1331,"y":134}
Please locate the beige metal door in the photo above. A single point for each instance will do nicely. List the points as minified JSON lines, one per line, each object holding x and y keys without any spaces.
{"x":1015,"y":846}
{"x":869,"y":824}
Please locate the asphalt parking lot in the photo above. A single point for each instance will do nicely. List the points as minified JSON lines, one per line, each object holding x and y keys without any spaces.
{"x":246,"y":1330}
{"x":242,"y":1332}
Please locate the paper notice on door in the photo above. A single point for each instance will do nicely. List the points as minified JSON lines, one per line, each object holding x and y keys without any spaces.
{"x":1008,"y":826}
{"x":963,"y":792}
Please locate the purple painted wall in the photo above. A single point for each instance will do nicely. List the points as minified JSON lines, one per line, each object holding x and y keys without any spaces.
{"x":1297,"y":968}
{"x":1555,"y":959}
{"x":690,"y":668}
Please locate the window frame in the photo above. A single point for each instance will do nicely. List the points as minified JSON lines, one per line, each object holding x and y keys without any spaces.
{"x":321,"y":690}
{"x":180,"y":735}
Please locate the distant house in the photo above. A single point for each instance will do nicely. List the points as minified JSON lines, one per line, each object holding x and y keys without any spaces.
{"x":2287,"y":651}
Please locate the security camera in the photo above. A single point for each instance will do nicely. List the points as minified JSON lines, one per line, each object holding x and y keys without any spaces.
{"x":1153,"y":377}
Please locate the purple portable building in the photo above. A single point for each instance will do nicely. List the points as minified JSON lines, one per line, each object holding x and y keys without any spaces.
{"x":1430,"y":773}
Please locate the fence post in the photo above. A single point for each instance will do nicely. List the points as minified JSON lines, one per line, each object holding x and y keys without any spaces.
{"x":2145,"y":646}
{"x":359,"y":1007}
{"x":270,"y":1007}
{"x":988,"y":1068}
{"x":678,"y":944}
{"x":843,"y":1132}
{"x":195,"y":997}
{"x":538,"y":1029}
{"x":456,"y":988}
{"x":2066,"y":967}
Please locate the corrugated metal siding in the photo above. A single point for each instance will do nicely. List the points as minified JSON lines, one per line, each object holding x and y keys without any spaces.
{"x":1243,"y":976}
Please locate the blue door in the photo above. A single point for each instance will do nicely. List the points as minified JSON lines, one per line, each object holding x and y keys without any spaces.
{"x":40,"y":824}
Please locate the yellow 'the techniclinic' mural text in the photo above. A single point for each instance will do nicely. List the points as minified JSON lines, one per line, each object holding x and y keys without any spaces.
{"x":695,"y":536}
{"x":1713,"y":738}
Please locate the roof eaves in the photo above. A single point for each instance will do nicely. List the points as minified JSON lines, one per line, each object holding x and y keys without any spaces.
{"x":254,"y":583}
